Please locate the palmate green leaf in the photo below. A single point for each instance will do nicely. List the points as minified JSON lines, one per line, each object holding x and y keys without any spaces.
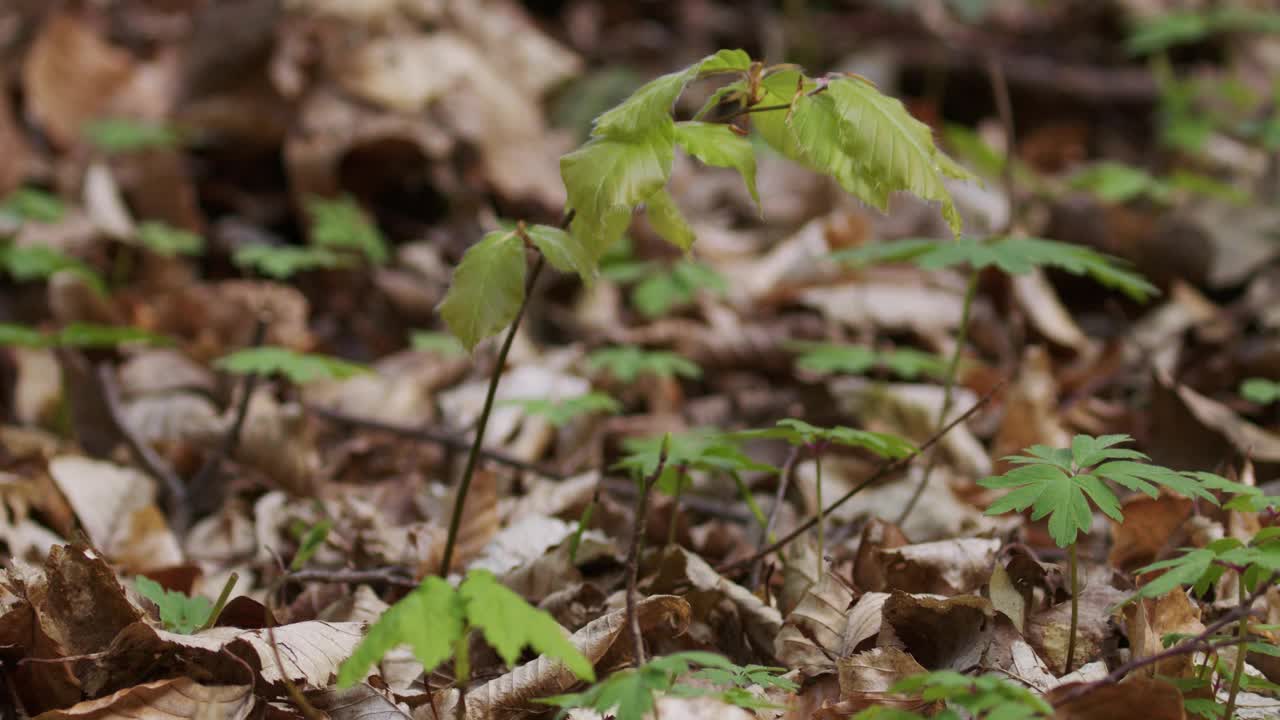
{"x":627,"y":363}
{"x":164,"y":239}
{"x":564,"y":251}
{"x":285,"y":261}
{"x":663,"y":291}
{"x":1087,"y":450}
{"x":667,"y":220}
{"x":629,"y":694}
{"x":509,"y":624}
{"x":1048,"y":491}
{"x":22,"y":336}
{"x":561,"y":412}
{"x":1012,"y":255}
{"x":40,"y":262}
{"x":872,"y":146}
{"x":442,"y":344}
{"x":717,"y":145}
{"x":179,"y":613}
{"x":1144,"y":478}
{"x":340,"y":224}
{"x":89,"y":335}
{"x":799,"y":432}
{"x":27,"y":203}
{"x":429,"y":619}
{"x":487,"y":288}
{"x":1119,"y":183}
{"x":300,"y":368}
{"x":1186,"y":569}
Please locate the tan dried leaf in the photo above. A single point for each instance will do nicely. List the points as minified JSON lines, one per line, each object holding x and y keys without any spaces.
{"x":813,"y":633}
{"x":940,"y":633}
{"x":70,"y":74}
{"x":679,"y":567}
{"x":863,"y":622}
{"x":945,"y":567}
{"x":877,"y":536}
{"x":1048,"y":631}
{"x":1151,"y":527}
{"x":178,"y":698}
{"x":865,"y":679}
{"x":1137,"y":697}
{"x":361,"y":702}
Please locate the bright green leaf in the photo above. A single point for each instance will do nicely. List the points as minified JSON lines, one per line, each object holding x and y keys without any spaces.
{"x":565,"y":252}
{"x":164,"y":239}
{"x":300,"y":368}
{"x":340,"y":224}
{"x":487,"y":289}
{"x":719,"y":146}
{"x":509,"y":624}
{"x":429,"y":619}
{"x":179,"y":613}
{"x":665,"y":217}
{"x":284,"y":261}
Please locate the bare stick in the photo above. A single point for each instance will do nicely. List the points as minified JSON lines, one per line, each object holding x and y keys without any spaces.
{"x":447,"y":440}
{"x":633,"y":555}
{"x":788,"y":472}
{"x":886,"y":468}
{"x":389,"y":576}
{"x":203,"y":479}
{"x":159,"y":468}
{"x":455,"y":520}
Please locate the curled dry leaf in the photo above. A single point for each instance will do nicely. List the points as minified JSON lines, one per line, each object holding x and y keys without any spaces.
{"x":940,"y":633}
{"x":863,"y":622}
{"x":1031,"y":409}
{"x":179,"y":698}
{"x":1038,"y":299}
{"x":1152,"y":527}
{"x":945,"y":567}
{"x":813,"y":633}
{"x":1007,"y":598}
{"x":1137,"y":697}
{"x":1048,"y":631}
{"x":511,"y":695}
{"x":877,"y":536}
{"x":865,"y":679}
{"x":1010,"y":653}
{"x":1147,"y":621}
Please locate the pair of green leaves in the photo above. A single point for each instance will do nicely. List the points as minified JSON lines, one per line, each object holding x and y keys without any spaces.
{"x":631,"y":694}
{"x":299,"y":368}
{"x":340,"y":231}
{"x":178,"y":612}
{"x":78,"y":335}
{"x":40,"y":262}
{"x":435,"y":617}
{"x":1060,"y":482}
{"x":627,"y":363}
{"x":858,"y":359}
{"x":1012,"y":255}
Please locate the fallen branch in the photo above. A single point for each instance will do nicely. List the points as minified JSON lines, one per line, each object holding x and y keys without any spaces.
{"x":886,"y":468}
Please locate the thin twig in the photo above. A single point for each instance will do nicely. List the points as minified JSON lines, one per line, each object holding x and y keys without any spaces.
{"x":452,"y":442}
{"x":753,"y":110}
{"x":159,"y":468}
{"x":204,"y":477}
{"x":784,"y":481}
{"x":389,"y":576}
{"x":455,"y":520}
{"x":1004,"y":106}
{"x":886,"y":468}
{"x":1190,"y":645}
{"x":223,"y":596}
{"x":633,"y":555}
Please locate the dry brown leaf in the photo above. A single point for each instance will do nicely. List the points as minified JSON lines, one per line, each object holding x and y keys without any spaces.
{"x":1151,"y":527}
{"x":361,"y":702}
{"x":1006,"y":597}
{"x":877,"y":536}
{"x":1010,"y":653}
{"x":172,"y":699}
{"x":116,"y":506}
{"x":1048,"y":631}
{"x":1038,"y":299}
{"x":865,"y":680}
{"x":479,"y":522}
{"x":1031,"y":409}
{"x":1247,"y":438}
{"x":863,"y":622}
{"x":69,"y":76}
{"x":37,"y":389}
{"x":1136,"y":697}
{"x":945,"y":567}
{"x":940,"y":633}
{"x":813,"y":633}
{"x":701,"y":708}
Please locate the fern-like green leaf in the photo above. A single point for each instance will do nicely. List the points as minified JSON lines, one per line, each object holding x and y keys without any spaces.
{"x":88,"y":335}
{"x":509,"y":624}
{"x":487,"y":289}
{"x":22,"y":336}
{"x":661,"y":292}
{"x":439,"y":343}
{"x":429,"y":619}
{"x":719,"y":146}
{"x":340,"y":224}
{"x":300,"y":368}
{"x":40,"y":262}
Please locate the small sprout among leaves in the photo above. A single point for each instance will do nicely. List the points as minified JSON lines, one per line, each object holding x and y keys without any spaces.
{"x":435,"y":620}
{"x":164,"y":239}
{"x":31,"y":204}
{"x":179,"y":613}
{"x":986,"y":696}
{"x":858,"y":359}
{"x":311,"y":540}
{"x":799,"y":432}
{"x":40,"y":262}
{"x":631,"y":694}
{"x":1012,"y":255}
{"x":663,"y":291}
{"x":126,"y":135}
{"x":442,"y":344}
{"x":1059,"y":483}
{"x":561,"y":412}
{"x":627,"y":363}
{"x":340,"y":224}
{"x":285,"y":261}
{"x":299,"y":368}
{"x":1260,"y":390}
{"x":698,"y":450}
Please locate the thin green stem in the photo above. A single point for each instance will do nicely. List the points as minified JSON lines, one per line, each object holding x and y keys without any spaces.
{"x":675,"y":506}
{"x":473,"y":456}
{"x":948,"y":392}
{"x":749,"y":499}
{"x":1075,"y":606}
{"x":1242,"y":651}
{"x":223,"y":596}
{"x":822,"y":532}
{"x":633,"y":555}
{"x":462,"y":672}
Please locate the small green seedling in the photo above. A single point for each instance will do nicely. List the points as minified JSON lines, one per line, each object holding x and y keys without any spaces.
{"x":1012,"y":255}
{"x":284,"y":261}
{"x":169,"y":241}
{"x":79,"y":335}
{"x":33,"y":205}
{"x":816,"y":441}
{"x":299,"y":368}
{"x":182,"y":614}
{"x":666,"y":290}
{"x":311,"y":539}
{"x":562,"y":412}
{"x":442,"y":344}
{"x":627,"y":363}
{"x":341,"y":225}
{"x":631,"y":694}
{"x":1060,"y":482}
{"x":985,"y":697}
{"x":1260,"y":390}
{"x":117,"y":136}
{"x":858,"y":359}
{"x":436,"y":620}
{"x":27,"y":263}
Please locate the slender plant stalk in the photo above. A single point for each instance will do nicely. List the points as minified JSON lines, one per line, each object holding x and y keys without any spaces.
{"x":1075,"y":606}
{"x":633,"y":555}
{"x":822,"y":532}
{"x":675,"y":507}
{"x":464,"y":484}
{"x":948,"y":392}
{"x":223,"y":596}
{"x":462,"y":672}
{"x":1242,"y":651}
